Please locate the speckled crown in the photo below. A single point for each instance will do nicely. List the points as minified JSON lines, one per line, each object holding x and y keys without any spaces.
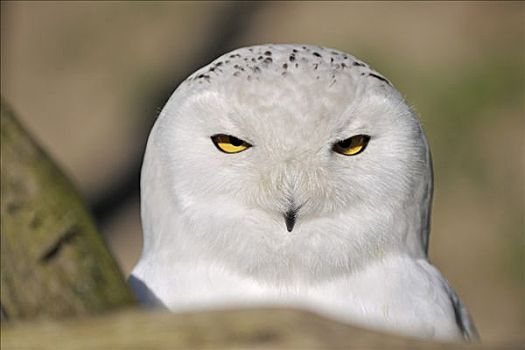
{"x":250,"y":62}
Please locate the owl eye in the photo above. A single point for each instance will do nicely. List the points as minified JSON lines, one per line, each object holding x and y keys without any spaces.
{"x":352,"y":145}
{"x":229,"y":144}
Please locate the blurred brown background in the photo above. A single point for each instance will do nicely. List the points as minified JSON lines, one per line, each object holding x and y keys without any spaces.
{"x":88,"y":78}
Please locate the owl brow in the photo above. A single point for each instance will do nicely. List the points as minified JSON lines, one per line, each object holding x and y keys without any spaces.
{"x":344,"y":128}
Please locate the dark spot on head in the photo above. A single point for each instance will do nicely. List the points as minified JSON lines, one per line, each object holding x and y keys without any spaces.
{"x":249,"y":77}
{"x":362,"y":73}
{"x":296,"y":65}
{"x":283,"y":73}
{"x":378,"y":77}
{"x":316,"y":65}
{"x":260,"y":58}
{"x":359,"y":64}
{"x":232,"y":56}
{"x":343,"y":65}
{"x":305,"y":48}
{"x":250,"y":49}
{"x":256,"y":69}
{"x":334,"y":53}
{"x":245,"y":59}
{"x":218,"y":64}
{"x":292,"y":58}
{"x":267,"y":53}
{"x":331,"y":59}
{"x":295,"y":50}
{"x":268,"y":60}
{"x":236,"y":74}
{"x":227,"y":61}
{"x":253,"y":59}
{"x":212,"y":69}
{"x":317,"y":54}
{"x":285,"y":65}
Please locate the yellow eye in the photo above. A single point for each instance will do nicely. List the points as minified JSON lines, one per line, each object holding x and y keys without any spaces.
{"x":229,"y":144}
{"x":352,"y":145}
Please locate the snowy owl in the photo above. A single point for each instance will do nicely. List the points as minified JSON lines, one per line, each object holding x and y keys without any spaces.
{"x":293,"y":176}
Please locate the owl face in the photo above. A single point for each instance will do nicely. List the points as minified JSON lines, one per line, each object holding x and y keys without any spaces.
{"x":313,"y":165}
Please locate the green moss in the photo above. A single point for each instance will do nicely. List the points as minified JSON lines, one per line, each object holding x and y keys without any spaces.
{"x":54,"y":262}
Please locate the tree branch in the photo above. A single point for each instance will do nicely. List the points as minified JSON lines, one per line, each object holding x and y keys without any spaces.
{"x":53,"y":261}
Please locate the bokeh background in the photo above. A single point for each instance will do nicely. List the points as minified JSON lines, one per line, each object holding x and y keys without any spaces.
{"x":88,"y":79}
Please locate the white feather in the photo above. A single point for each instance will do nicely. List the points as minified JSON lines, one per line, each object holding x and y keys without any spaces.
{"x":214,"y":233}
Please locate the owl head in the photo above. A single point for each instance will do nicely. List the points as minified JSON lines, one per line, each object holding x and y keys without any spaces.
{"x":286,"y":162}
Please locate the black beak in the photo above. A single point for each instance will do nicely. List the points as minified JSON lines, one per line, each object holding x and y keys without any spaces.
{"x":289,"y":219}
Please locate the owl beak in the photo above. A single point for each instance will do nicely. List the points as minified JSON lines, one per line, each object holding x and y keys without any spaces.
{"x":289,"y":219}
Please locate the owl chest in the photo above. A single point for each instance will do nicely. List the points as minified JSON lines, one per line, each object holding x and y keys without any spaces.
{"x":377,"y":298}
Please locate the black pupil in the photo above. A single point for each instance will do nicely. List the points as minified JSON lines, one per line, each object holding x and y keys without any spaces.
{"x":345,"y":143}
{"x":235,"y":141}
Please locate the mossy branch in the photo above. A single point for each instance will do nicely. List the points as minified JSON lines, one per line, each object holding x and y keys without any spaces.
{"x":53,"y":261}
{"x":228,"y":329}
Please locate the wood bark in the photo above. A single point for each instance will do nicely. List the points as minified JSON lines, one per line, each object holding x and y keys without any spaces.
{"x":226,"y":329}
{"x":53,"y":261}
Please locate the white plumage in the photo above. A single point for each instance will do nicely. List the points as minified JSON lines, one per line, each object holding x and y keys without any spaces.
{"x":291,"y":220}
